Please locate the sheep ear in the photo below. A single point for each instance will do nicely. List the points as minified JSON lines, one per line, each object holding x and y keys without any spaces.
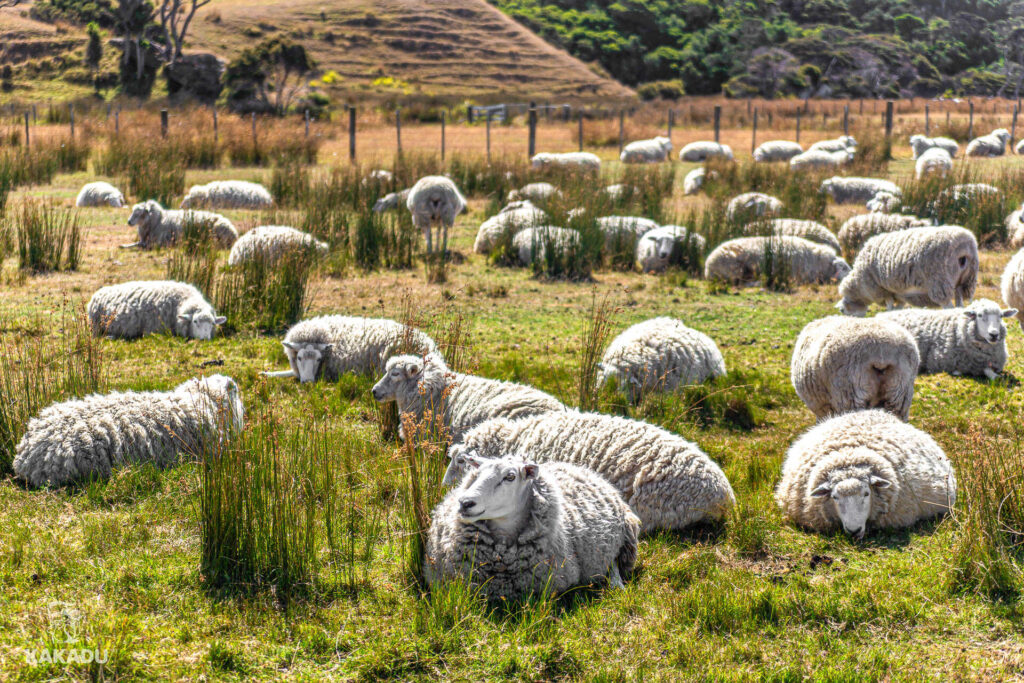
{"x":823,"y":491}
{"x":325,"y":347}
{"x":971,"y":314}
{"x":879,"y":483}
{"x":290,"y":345}
{"x":472,"y":462}
{"x":220,"y":320}
{"x":413,"y":370}
{"x":186,"y":318}
{"x":530,"y":470}
{"x":1009,"y":312}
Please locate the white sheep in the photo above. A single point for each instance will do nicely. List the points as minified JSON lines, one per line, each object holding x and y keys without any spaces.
{"x":1019,"y":149}
{"x":841,"y":364}
{"x":917,"y":267}
{"x":750,"y":205}
{"x":392,"y":200}
{"x":849,"y":190}
{"x":859,"y":229}
{"x":1012,"y":285}
{"x":933,"y":160}
{"x":660,"y":354}
{"x":435,"y":200}
{"x":329,"y":346}
{"x":618,"y":191}
{"x":228,"y":194}
{"x":535,"y":192}
{"x":657,"y":249}
{"x":624,"y":230}
{"x":702,"y":150}
{"x":864,"y":469}
{"x":694,"y":180}
{"x":1015,"y":229}
{"x":968,"y":192}
{"x":777,"y":150}
{"x":456,"y":402}
{"x":100,"y":193}
{"x":581,"y":161}
{"x":920,"y":144}
{"x":379,"y":176}
{"x":90,"y":437}
{"x":647,"y":151}
{"x":160,"y":227}
{"x":516,"y":529}
{"x":741,"y":260}
{"x":667,"y":481}
{"x":883,"y":202}
{"x":134,"y":309}
{"x":818,"y":160}
{"x":532,"y":244}
{"x":506,"y":223}
{"x":991,"y":145}
{"x":793,"y":227}
{"x":840,"y":144}
{"x":269,"y":243}
{"x":961,"y":341}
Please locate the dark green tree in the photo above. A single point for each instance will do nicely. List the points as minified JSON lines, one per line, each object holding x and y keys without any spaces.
{"x":94,"y":52}
{"x":269,"y":76}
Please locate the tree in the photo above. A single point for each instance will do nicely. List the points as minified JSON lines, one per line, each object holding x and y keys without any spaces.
{"x":9,"y":3}
{"x":174,"y":22}
{"x":268,"y":76}
{"x":94,"y":52}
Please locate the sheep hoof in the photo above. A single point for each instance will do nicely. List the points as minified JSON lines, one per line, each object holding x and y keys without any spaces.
{"x":991,"y":374}
{"x":614,"y":578}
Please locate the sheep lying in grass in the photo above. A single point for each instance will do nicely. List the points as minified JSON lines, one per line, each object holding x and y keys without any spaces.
{"x":991,"y":145}
{"x":660,"y":354}
{"x":329,"y":346}
{"x":269,"y":243}
{"x":864,"y":469}
{"x":918,"y":267}
{"x":920,"y":144}
{"x":228,"y":194}
{"x":434,"y":200}
{"x":841,"y":364}
{"x":840,"y":144}
{"x":777,"y":150}
{"x":694,"y":180}
{"x":750,"y":205}
{"x":618,"y":191}
{"x":933,"y":160}
{"x":647,"y":151}
{"x":532,"y":244}
{"x":702,"y":150}
{"x":884,"y":202}
{"x":100,"y":193}
{"x":134,"y":309}
{"x":392,"y":200}
{"x":581,"y":161}
{"x":160,"y":227}
{"x":968,"y":192}
{"x":624,"y":229}
{"x":741,"y":261}
{"x":535,"y":192}
{"x":961,"y":341}
{"x":667,"y":481}
{"x":792,"y":227}
{"x":90,"y":437}
{"x":818,"y":160}
{"x":859,"y":229}
{"x":1012,"y":285}
{"x":507,"y":222}
{"x":848,"y":190}
{"x":657,"y":249}
{"x":517,"y":529}
{"x":379,"y":176}
{"x":457,"y":401}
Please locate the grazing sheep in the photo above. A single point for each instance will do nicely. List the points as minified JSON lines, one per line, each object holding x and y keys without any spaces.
{"x":847,"y":190}
{"x":883,"y":202}
{"x":840,"y":144}
{"x":629,"y":229}
{"x":667,"y":481}
{"x":918,"y":267}
{"x":660,"y":354}
{"x":535,"y":192}
{"x":435,"y":200}
{"x":516,"y":529}
{"x":531,"y":244}
{"x":991,"y":145}
{"x":750,"y":205}
{"x":392,"y":200}
{"x":518,"y":204}
{"x":1012,"y":285}
{"x":228,"y":194}
{"x":920,"y":144}
{"x":647,"y":151}
{"x":458,"y":402}
{"x":818,"y":160}
{"x":90,"y":437}
{"x":859,"y":229}
{"x":1015,"y":229}
{"x":657,"y":249}
{"x":581,"y":161}
{"x":961,"y":341}
{"x":134,"y":309}
{"x":329,"y":346}
{"x":506,"y":222}
{"x":777,"y":150}
{"x":933,"y":160}
{"x":100,"y":193}
{"x":694,"y":180}
{"x":740,"y":260}
{"x":793,"y":227}
{"x":841,"y":364}
{"x":702,"y":150}
{"x":160,"y":227}
{"x":864,"y":469}
{"x":269,"y":243}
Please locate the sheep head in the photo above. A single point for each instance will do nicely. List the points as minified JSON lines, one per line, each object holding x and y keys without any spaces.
{"x":197,"y":320}
{"x":985,"y":319}
{"x":142,"y":211}
{"x":853,"y":492}
{"x":306,"y":359}
{"x":496,"y":490}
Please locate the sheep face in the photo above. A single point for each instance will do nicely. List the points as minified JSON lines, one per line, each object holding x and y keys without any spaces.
{"x":840,"y":269}
{"x":306,"y":359}
{"x":851,"y":498}
{"x":1002,"y":134}
{"x":399,"y":371}
{"x":141,"y":213}
{"x":225,"y":392}
{"x":852,"y":308}
{"x":199,"y":325}
{"x":988,"y":324}
{"x":495,"y":489}
{"x":457,"y":466}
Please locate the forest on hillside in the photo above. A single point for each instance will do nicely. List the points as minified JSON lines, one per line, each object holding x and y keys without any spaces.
{"x":779,"y":48}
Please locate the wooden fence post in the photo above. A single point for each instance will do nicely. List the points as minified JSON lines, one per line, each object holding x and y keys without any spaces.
{"x":489,"y":136}
{"x":34,"y":118}
{"x":27,"y":140}
{"x":579,"y":133}
{"x":671,"y":121}
{"x":398,"y":128}
{"x":798,"y":124}
{"x":718,"y":121}
{"x":307,"y":123}
{"x":888,"y":119}
{"x":443,"y":119}
{"x":253,"y":117}
{"x":927,"y":119}
{"x":753,"y":135}
{"x":970,"y":122}
{"x":71,"y":118}
{"x":846,"y":119}
{"x":216,"y":132}
{"x":117,"y":122}
{"x":163,"y":123}
{"x":352,"y":133}
{"x":1013,"y":127}
{"x":532,"y":141}
{"x":622,"y":130}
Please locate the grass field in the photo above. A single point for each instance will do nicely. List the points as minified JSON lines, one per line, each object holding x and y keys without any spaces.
{"x":751,"y":599}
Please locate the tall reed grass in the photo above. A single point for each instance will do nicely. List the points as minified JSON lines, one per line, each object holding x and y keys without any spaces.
{"x":265,"y":295}
{"x":49,"y":238}
{"x":597,"y":331}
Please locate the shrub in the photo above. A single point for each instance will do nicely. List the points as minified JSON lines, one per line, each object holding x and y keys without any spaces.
{"x":663,"y":90}
{"x":163,"y":181}
{"x":49,"y":238}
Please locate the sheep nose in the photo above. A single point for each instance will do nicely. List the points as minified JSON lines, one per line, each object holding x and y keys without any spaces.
{"x":856,"y":533}
{"x":467,"y":504}
{"x":993,"y":336}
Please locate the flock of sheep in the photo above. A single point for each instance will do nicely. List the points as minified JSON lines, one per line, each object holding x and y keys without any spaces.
{"x":544,"y":497}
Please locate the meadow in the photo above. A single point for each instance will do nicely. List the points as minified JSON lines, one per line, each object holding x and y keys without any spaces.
{"x":291,"y":553}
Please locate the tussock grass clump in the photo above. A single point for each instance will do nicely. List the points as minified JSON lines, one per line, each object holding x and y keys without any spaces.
{"x":72,"y":156}
{"x":983,"y":214}
{"x":35,"y":166}
{"x":260,"y":295}
{"x":596,"y":333}
{"x":776,"y":275}
{"x":196,"y":261}
{"x":273,"y":147}
{"x":422,"y":456}
{"x":798,"y":192}
{"x":289,"y":185}
{"x":49,"y":238}
{"x":154,"y":179}
{"x":384,"y":240}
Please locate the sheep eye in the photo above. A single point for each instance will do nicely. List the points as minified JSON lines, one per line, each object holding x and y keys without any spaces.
{"x":866,"y":494}
{"x":510,"y":477}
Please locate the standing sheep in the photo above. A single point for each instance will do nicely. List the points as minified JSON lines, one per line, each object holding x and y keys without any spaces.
{"x":864,"y":469}
{"x":660,"y":354}
{"x":991,"y":145}
{"x":134,"y":309}
{"x":961,"y":341}
{"x":1012,"y":285}
{"x":792,"y":227}
{"x":657,"y":249}
{"x":100,"y":194}
{"x":516,"y":529}
{"x":647,"y":151}
{"x":859,"y":229}
{"x":585,"y":162}
{"x":933,"y":160}
{"x":507,"y":222}
{"x":848,"y":190}
{"x":228,"y":194}
{"x":741,"y":260}
{"x":90,"y":437}
{"x":329,"y":346}
{"x":532,"y":244}
{"x":270,"y":243}
{"x":160,"y":227}
{"x":818,"y":160}
{"x":918,"y":267}
{"x":920,"y":144}
{"x":457,"y":401}
{"x":702,"y":150}
{"x":841,"y":364}
{"x":777,"y":150}
{"x":667,"y":481}
{"x":434,"y":200}
{"x":751,"y":205}
{"x":840,"y":144}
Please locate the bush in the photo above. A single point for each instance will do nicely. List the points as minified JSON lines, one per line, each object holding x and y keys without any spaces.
{"x":155,"y":179}
{"x":49,"y":238}
{"x":663,"y":90}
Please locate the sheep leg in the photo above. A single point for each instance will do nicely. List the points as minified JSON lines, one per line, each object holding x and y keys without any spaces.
{"x":614,"y":578}
{"x":444,"y":241}
{"x":133,"y":245}
{"x":990,"y":373}
{"x":278,"y":373}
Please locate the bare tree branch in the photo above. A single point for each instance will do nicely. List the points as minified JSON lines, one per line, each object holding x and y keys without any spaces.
{"x":9,"y":3}
{"x":175,"y":19}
